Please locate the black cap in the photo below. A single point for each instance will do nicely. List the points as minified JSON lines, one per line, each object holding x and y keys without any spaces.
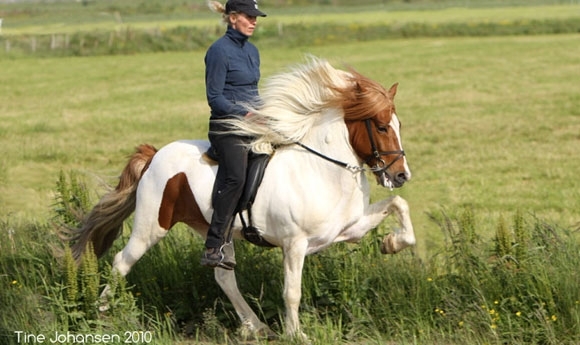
{"x":249,"y":7}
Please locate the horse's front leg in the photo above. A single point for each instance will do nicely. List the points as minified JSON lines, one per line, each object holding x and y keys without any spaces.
{"x":374,"y":215}
{"x":294,"y":253}
{"x":404,"y":236}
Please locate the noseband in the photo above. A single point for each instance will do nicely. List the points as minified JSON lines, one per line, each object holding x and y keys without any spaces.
{"x":380,"y":166}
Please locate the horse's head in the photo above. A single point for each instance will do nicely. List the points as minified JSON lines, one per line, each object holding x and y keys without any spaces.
{"x":375,"y":130}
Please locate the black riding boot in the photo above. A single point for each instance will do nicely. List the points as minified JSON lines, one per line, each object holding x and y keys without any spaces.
{"x":222,"y":255}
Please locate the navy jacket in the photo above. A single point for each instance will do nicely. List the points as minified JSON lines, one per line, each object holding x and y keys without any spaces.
{"x":232,"y":73}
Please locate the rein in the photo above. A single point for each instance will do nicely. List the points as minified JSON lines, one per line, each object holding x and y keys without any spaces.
{"x":353,"y":168}
{"x":376,"y":154}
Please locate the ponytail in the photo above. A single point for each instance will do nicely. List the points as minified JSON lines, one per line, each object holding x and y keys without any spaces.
{"x":217,"y":7}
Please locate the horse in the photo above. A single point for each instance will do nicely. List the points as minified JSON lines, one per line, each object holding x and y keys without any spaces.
{"x":324,"y":129}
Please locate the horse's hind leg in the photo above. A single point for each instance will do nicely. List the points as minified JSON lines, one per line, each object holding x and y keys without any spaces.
{"x":144,"y":236}
{"x":251,"y":325}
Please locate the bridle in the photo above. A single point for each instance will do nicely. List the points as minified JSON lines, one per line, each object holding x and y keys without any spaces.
{"x":379,"y":167}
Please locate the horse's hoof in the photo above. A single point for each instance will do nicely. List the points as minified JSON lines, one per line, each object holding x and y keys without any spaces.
{"x":262,"y":332}
{"x":388,"y":245}
{"x":267,"y":334}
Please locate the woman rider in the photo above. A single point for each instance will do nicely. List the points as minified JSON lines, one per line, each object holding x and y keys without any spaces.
{"x":232,"y":72}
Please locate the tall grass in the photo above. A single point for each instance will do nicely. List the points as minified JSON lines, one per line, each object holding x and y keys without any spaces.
{"x":44,"y":291}
{"x":518,"y":287}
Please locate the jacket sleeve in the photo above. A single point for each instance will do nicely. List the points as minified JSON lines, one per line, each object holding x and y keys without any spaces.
{"x":216,"y":68}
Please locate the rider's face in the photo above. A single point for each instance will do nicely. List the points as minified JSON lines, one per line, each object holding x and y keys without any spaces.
{"x":243,"y":23}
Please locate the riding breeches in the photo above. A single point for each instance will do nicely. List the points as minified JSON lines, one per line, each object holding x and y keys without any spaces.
{"x":229,"y":184}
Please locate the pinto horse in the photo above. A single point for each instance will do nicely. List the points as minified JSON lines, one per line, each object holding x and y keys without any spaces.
{"x":324,"y":128}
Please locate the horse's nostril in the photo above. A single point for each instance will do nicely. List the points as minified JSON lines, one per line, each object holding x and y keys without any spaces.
{"x":401,"y":177}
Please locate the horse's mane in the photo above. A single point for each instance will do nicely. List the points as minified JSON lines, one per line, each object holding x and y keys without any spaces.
{"x":291,"y":102}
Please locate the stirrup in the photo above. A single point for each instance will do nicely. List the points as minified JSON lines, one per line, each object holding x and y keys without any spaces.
{"x":216,"y":259}
{"x":228,"y":261}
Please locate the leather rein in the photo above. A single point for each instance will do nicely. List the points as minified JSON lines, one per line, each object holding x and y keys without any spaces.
{"x":379,"y":167}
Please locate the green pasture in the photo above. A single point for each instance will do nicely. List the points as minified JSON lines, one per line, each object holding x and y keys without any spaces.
{"x":490,"y":122}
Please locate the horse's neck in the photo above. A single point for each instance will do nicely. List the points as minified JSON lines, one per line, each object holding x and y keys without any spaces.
{"x":329,"y":136}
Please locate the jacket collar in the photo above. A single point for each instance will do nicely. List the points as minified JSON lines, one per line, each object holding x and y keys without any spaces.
{"x":237,"y":37}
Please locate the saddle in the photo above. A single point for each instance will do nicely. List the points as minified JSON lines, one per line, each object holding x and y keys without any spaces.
{"x":257,"y":164}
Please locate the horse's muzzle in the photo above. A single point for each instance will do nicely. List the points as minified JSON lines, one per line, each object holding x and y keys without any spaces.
{"x":400,"y":179}
{"x":392,"y":181}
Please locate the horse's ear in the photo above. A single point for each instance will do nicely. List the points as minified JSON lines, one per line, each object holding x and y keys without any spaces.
{"x":358,"y":87}
{"x":393,"y":90}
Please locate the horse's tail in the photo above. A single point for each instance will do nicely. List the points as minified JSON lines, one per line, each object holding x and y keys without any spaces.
{"x":104,"y":223}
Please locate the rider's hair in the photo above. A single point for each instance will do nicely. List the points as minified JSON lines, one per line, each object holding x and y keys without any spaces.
{"x":218,"y":7}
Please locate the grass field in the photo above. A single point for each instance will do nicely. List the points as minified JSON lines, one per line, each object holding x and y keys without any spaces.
{"x":488,"y":122}
{"x":490,"y":125}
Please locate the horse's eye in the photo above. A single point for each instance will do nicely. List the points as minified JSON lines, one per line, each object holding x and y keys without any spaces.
{"x":382,"y":129}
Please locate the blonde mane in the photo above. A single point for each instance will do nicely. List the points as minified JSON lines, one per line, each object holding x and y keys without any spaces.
{"x":291,"y":102}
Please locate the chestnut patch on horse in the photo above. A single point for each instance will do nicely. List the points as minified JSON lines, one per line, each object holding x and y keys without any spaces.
{"x":179,"y":205}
